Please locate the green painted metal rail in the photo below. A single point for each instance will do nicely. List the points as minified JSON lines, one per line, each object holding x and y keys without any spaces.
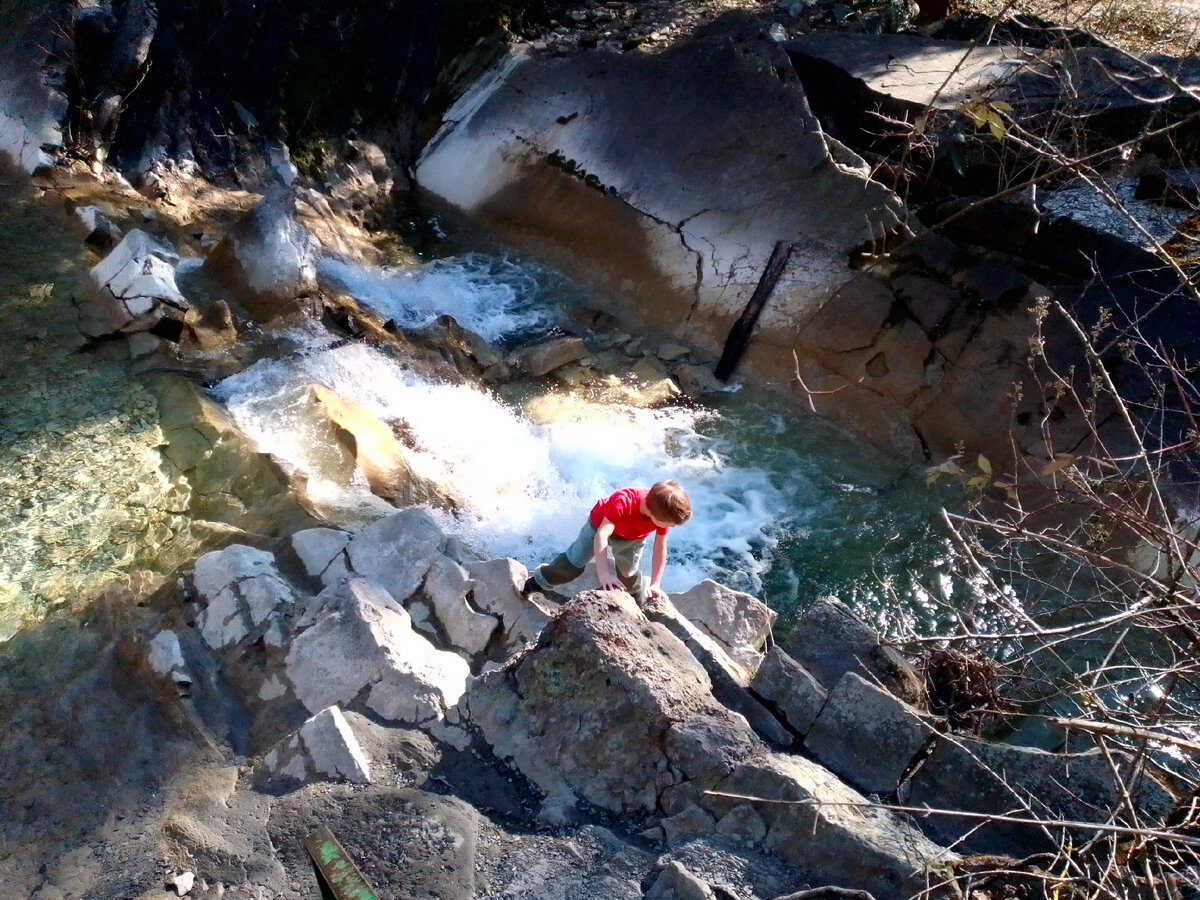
{"x":337,"y":874}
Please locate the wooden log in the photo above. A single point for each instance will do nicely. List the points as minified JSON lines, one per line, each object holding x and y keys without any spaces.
{"x":739,"y":334}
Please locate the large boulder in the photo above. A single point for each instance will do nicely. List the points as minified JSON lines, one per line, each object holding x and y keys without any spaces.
{"x":133,"y":289}
{"x":828,"y":640}
{"x":496,"y":590}
{"x":612,"y":709}
{"x":450,"y":591}
{"x":243,"y":595}
{"x":395,"y":552}
{"x":740,"y":622}
{"x":266,"y":261}
{"x":666,"y":178}
{"x":32,"y":106}
{"x":589,"y":712}
{"x":790,"y":689}
{"x":867,"y":736}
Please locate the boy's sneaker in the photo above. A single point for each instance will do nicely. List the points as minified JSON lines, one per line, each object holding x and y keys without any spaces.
{"x":530,"y":586}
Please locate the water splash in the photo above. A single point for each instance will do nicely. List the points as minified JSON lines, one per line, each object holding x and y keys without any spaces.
{"x":525,"y":484}
{"x":491,"y":296}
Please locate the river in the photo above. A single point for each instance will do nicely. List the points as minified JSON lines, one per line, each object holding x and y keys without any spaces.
{"x":786,"y":506}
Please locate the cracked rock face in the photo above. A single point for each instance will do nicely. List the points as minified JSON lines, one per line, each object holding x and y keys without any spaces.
{"x":665,"y":178}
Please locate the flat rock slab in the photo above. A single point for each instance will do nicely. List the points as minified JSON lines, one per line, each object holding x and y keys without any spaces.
{"x":913,"y":69}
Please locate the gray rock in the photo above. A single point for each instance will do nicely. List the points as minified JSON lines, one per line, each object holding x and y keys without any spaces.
{"x":830,"y":830}
{"x":498,"y":591}
{"x":221,"y":831}
{"x":363,"y":644}
{"x":940,"y":73}
{"x":588,"y":711}
{"x":868,"y":736}
{"x":132,"y":288}
{"x":545,"y":358}
{"x":397,"y":551}
{"x":32,"y":107}
{"x":670,"y":352}
{"x":829,"y":641}
{"x":684,"y":245}
{"x":166,"y":658}
{"x":317,"y":549}
{"x":729,"y":678}
{"x":323,"y":749}
{"x":689,"y":821}
{"x":447,"y":586}
{"x":611,"y":708}
{"x":740,"y":622}
{"x":101,"y":233}
{"x":697,"y":381}
{"x":789,"y":688}
{"x":675,"y":882}
{"x":266,"y":261}
{"x":743,"y":823}
{"x":243,"y":595}
{"x":994,"y":779}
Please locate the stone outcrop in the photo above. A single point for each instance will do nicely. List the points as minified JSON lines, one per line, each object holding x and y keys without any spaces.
{"x":612,"y":709}
{"x":32,"y":108}
{"x":593,"y":176}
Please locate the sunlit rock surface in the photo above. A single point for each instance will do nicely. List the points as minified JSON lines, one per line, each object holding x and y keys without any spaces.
{"x":667,"y":178}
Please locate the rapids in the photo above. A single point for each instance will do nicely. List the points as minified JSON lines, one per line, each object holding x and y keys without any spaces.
{"x":785,"y":507}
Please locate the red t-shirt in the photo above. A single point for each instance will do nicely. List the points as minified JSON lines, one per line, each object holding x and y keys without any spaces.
{"x":622,"y":510}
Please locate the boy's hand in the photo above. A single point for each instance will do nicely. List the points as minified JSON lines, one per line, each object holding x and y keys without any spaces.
{"x":611,"y":584}
{"x":656,"y":592}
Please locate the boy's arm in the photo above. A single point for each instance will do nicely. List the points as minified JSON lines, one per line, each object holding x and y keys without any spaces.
{"x":600,"y":550}
{"x":658,"y":565}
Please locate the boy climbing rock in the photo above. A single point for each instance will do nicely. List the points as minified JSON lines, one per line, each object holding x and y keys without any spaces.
{"x":621,"y":521}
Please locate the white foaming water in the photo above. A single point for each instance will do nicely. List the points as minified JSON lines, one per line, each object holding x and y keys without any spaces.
{"x":524,"y":487}
{"x":488,"y":295}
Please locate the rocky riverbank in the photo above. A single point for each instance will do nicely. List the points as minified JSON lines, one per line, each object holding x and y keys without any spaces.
{"x":462,"y":740}
{"x":364,"y":669}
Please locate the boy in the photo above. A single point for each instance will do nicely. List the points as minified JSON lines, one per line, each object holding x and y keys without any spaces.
{"x":621,"y":521}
